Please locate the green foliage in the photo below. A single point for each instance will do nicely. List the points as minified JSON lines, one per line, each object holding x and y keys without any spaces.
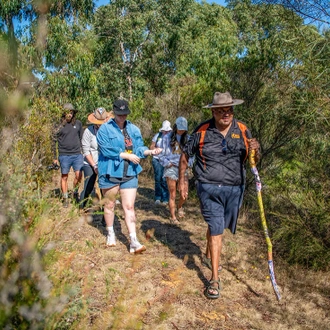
{"x":167,"y":58}
{"x":301,"y":221}
{"x":24,"y":286}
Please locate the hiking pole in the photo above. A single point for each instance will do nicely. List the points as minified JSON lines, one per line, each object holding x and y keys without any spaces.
{"x":254,"y":170}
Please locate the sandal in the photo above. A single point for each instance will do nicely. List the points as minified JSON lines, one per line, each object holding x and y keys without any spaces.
{"x":174,"y":221}
{"x":207,"y":262}
{"x":181,"y":212}
{"x":211,"y":287}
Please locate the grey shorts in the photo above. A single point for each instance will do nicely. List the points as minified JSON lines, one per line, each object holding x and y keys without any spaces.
{"x":220,"y":206}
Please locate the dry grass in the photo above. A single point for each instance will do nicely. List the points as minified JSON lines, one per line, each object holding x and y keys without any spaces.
{"x":163,"y":288}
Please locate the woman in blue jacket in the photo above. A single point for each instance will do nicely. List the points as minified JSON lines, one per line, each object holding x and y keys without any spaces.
{"x":120,"y":149}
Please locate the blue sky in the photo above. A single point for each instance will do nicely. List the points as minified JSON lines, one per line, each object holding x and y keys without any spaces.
{"x":105,"y":2}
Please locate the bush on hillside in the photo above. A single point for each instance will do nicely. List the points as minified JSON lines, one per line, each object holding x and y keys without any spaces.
{"x":25,"y":290}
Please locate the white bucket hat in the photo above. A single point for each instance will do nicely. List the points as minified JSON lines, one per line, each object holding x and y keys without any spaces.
{"x":166,"y":126}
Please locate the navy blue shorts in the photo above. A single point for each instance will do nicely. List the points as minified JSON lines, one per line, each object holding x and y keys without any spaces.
{"x":66,"y":161}
{"x":220,"y":206}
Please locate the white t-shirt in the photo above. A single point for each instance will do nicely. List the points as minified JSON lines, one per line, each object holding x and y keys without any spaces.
{"x":158,"y":141}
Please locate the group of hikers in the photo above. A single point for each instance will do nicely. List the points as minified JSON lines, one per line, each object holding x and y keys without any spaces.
{"x":112,"y":147}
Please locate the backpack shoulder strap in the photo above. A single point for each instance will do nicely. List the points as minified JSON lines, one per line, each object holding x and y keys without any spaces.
{"x":202,"y":131}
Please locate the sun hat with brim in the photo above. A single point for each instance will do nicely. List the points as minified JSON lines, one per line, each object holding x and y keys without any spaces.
{"x":166,"y":126}
{"x":221,"y":100}
{"x":99,"y":116}
{"x":69,"y":107}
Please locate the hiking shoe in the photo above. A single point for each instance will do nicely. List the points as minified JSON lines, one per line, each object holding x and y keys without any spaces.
{"x":165,"y":203}
{"x":157,"y":202}
{"x":118,"y":202}
{"x":65,"y":202}
{"x":111,"y":239}
{"x":136,"y":247}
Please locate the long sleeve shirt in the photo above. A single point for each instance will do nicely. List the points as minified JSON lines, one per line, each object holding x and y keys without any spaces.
{"x":68,"y":138}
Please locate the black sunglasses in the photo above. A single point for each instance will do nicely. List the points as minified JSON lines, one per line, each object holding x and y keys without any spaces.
{"x":224,"y":146}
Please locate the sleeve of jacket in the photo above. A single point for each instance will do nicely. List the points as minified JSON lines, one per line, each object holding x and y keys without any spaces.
{"x":191,"y":146}
{"x":139,"y":147}
{"x":86,"y":142}
{"x":106,"y":147}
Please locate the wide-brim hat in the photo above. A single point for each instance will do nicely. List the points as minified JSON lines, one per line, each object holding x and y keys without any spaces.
{"x":166,"y":126}
{"x":99,"y":116}
{"x":221,"y":100}
{"x":120,"y":107}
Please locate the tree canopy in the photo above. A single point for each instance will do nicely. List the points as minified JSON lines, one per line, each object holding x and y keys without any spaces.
{"x":168,"y":58}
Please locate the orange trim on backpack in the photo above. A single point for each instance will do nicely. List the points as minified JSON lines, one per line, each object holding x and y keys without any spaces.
{"x":202,"y":130}
{"x":243,"y":129}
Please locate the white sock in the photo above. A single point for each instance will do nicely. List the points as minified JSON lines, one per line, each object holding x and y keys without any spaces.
{"x":133,"y":236}
{"x":110,"y":229}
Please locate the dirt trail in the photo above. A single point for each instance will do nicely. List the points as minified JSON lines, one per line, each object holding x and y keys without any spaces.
{"x":163,"y":288}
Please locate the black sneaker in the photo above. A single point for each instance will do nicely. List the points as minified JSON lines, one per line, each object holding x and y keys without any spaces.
{"x":65,"y":202}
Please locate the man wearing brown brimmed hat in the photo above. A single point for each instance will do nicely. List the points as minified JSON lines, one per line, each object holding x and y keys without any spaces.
{"x":67,"y":136}
{"x":220,"y":146}
{"x":90,"y":151}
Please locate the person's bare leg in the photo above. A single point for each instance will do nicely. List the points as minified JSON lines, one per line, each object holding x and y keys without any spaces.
{"x":215,"y":246}
{"x":171,"y":184}
{"x":128,"y":200}
{"x":109,"y":212}
{"x":64,"y":184}
{"x":181,"y":200}
{"x":208,"y":252}
{"x":77,"y":179}
{"x":109,"y":204}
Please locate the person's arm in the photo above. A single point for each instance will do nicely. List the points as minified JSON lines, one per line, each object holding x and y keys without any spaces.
{"x":86,"y":142}
{"x":254,"y":145}
{"x":152,"y":145}
{"x":138,"y":144}
{"x":183,"y":164}
{"x":155,"y":151}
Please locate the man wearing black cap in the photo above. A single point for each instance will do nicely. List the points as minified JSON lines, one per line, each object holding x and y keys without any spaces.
{"x":67,"y":135}
{"x":221,"y":146}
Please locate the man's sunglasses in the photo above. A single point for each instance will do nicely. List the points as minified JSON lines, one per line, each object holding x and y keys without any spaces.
{"x":221,"y":111}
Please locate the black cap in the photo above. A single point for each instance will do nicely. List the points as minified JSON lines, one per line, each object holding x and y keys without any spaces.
{"x":120,"y":107}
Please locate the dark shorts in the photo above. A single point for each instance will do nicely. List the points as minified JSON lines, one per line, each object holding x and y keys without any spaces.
{"x":105,"y":183}
{"x":220,"y":206}
{"x":66,"y":161}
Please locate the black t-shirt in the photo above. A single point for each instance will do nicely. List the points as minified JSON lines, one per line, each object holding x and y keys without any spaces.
{"x":219,"y":159}
{"x":68,"y":138}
